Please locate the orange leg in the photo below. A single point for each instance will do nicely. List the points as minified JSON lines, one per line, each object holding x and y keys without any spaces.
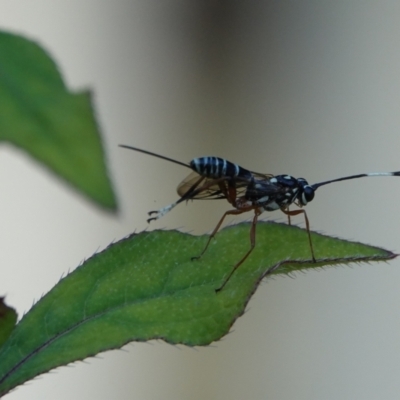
{"x":216,"y":229}
{"x":252,"y":245}
{"x":297,"y":212}
{"x":288,"y":217}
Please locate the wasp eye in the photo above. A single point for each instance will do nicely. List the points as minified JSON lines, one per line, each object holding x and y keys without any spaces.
{"x":308,"y":194}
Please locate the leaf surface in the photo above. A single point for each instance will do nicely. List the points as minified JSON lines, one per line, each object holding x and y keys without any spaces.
{"x":8,"y":319}
{"x":145,"y":287}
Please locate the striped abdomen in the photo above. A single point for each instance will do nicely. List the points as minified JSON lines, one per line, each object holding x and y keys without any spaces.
{"x":214,"y":167}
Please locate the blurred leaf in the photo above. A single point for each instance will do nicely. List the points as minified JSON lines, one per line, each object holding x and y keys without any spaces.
{"x":8,"y":319}
{"x":145,"y":287}
{"x":57,"y":127}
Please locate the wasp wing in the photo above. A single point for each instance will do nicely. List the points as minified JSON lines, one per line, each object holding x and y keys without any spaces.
{"x":198,"y":187}
{"x":190,"y":185}
{"x":261,"y":176}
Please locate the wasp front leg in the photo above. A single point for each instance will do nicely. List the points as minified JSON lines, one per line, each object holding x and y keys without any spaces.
{"x":297,"y":212}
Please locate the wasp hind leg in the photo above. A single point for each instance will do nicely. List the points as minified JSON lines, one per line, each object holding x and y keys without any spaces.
{"x":161,"y":212}
{"x":252,"y":245}
{"x":216,"y":229}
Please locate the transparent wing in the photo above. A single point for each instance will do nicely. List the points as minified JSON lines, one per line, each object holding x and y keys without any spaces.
{"x":195,"y":186}
{"x":261,"y":176}
{"x":198,"y":187}
{"x":191,"y":182}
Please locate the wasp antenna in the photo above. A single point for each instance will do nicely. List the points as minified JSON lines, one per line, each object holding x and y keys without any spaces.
{"x":154,"y":155}
{"x":346,"y":178}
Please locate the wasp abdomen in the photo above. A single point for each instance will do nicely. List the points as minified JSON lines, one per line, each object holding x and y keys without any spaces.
{"x":215,"y":167}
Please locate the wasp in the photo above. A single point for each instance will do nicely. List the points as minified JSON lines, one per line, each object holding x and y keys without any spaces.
{"x":217,"y":178}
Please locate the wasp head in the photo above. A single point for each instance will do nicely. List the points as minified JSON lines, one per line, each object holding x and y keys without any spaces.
{"x":306,"y":192}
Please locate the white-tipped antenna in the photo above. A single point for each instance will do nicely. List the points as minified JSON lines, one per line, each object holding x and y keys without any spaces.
{"x":345,"y":178}
{"x":155,"y":155}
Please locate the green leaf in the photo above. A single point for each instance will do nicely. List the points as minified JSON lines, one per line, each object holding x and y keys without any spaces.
{"x":145,"y":287}
{"x":56,"y":127}
{"x":8,"y":319}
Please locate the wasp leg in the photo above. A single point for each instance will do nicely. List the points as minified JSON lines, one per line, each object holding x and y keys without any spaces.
{"x":216,"y":229}
{"x":193,"y":191}
{"x":229,"y":192}
{"x":297,"y":212}
{"x":252,"y":245}
{"x":162,"y":211}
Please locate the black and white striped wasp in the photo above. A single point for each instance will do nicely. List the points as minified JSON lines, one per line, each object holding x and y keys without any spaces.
{"x":216,"y":178}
